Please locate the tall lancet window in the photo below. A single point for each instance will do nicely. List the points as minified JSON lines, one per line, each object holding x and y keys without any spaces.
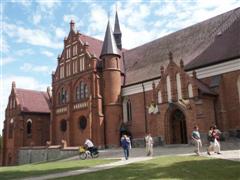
{"x":159,"y":97}
{"x":169,"y":91}
{"x":190,"y":90}
{"x":29,"y":126}
{"x":179,"y":87}
{"x":129,"y":110}
{"x":238,"y":86}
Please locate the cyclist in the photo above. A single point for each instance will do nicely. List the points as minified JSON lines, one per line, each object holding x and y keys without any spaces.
{"x":89,"y":145}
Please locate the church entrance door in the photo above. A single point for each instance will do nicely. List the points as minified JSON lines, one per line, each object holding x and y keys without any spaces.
{"x":178,"y":127}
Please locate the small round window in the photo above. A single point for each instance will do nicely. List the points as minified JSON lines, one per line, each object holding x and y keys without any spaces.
{"x":82,"y":122}
{"x":63,"y":125}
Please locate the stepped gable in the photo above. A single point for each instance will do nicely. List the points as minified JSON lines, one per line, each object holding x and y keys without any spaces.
{"x":33,"y":101}
{"x":143,"y":62}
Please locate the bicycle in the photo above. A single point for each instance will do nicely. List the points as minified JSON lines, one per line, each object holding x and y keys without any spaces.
{"x":84,"y":153}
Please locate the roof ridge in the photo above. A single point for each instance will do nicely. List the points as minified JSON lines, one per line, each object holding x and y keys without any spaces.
{"x":228,"y":25}
{"x":32,"y":90}
{"x":91,"y":37}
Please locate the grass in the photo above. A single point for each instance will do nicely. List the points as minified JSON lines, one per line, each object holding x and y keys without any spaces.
{"x":21,"y":171}
{"x":175,"y":167}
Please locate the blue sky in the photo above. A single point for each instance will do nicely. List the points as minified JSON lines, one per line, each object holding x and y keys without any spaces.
{"x":32,"y":32}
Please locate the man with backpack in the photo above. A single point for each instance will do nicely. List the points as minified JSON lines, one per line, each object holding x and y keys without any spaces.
{"x":126,"y":144}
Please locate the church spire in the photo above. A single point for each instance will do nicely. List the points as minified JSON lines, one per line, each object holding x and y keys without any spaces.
{"x":117,"y":32}
{"x":109,"y":45}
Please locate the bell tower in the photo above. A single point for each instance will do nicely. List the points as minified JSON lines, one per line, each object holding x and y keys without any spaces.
{"x":112,"y":88}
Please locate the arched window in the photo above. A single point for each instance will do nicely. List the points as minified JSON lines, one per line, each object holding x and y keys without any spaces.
{"x":238,"y":86}
{"x":169,"y":91}
{"x":63,"y":96}
{"x":82,"y":63}
{"x":77,"y":93}
{"x":66,"y":96}
{"x":82,"y":122}
{"x":190,"y":90}
{"x":129,"y":110}
{"x":159,"y":97}
{"x":85,"y":91}
{"x":81,"y":90}
{"x":179,"y":87}
{"x":63,"y":125}
{"x":10,"y":128}
{"x":29,"y":126}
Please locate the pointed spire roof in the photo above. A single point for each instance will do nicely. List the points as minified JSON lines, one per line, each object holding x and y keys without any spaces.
{"x":109,"y":44}
{"x":117,"y":29}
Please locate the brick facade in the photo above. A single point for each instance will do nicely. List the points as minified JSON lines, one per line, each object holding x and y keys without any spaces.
{"x":23,"y":127}
{"x":101,"y":95}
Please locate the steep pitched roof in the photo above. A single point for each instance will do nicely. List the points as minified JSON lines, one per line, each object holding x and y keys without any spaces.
{"x":109,"y":44}
{"x":116,"y":25}
{"x":226,"y":46}
{"x":204,"y":88}
{"x":95,"y":45}
{"x":33,"y":101}
{"x":143,"y":63}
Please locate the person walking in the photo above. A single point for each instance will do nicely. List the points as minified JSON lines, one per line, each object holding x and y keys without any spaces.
{"x":149,"y":144}
{"x":213,"y":142}
{"x":217,"y":134}
{"x":125,"y":143}
{"x":197,"y":140}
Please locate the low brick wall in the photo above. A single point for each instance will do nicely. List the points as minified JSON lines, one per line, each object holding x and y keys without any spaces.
{"x":140,"y":142}
{"x":36,"y":154}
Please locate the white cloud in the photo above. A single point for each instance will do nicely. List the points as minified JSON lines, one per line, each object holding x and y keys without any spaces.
{"x":24,"y":52}
{"x":168,"y":9}
{"x":48,"y":53}
{"x":4,"y":47}
{"x":60,"y":33}
{"x":21,"y":82}
{"x":48,"y":6}
{"x":25,"y":3}
{"x":36,"y":18}
{"x":14,"y":56}
{"x":7,"y":60}
{"x":31,"y":36}
{"x":97,"y":17}
{"x":27,"y":67}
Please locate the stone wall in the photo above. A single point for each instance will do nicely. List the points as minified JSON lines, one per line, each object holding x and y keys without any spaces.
{"x":28,"y":155}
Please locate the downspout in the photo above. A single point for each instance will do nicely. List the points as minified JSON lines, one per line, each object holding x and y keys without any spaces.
{"x":144,"y":105}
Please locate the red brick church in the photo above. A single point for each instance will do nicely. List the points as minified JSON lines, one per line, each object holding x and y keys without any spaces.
{"x":165,"y":87}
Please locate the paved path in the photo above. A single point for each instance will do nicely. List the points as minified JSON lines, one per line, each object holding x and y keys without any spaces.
{"x":91,"y":169}
{"x":230,"y":151}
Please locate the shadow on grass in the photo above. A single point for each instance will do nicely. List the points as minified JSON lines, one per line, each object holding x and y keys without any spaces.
{"x":31,"y":170}
{"x":191,"y":168}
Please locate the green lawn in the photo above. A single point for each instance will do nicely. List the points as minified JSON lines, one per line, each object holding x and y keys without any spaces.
{"x":175,"y":167}
{"x":47,"y":168}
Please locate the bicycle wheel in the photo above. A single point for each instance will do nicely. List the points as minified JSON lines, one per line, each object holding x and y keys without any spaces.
{"x":83,"y":156}
{"x":95,"y":155}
